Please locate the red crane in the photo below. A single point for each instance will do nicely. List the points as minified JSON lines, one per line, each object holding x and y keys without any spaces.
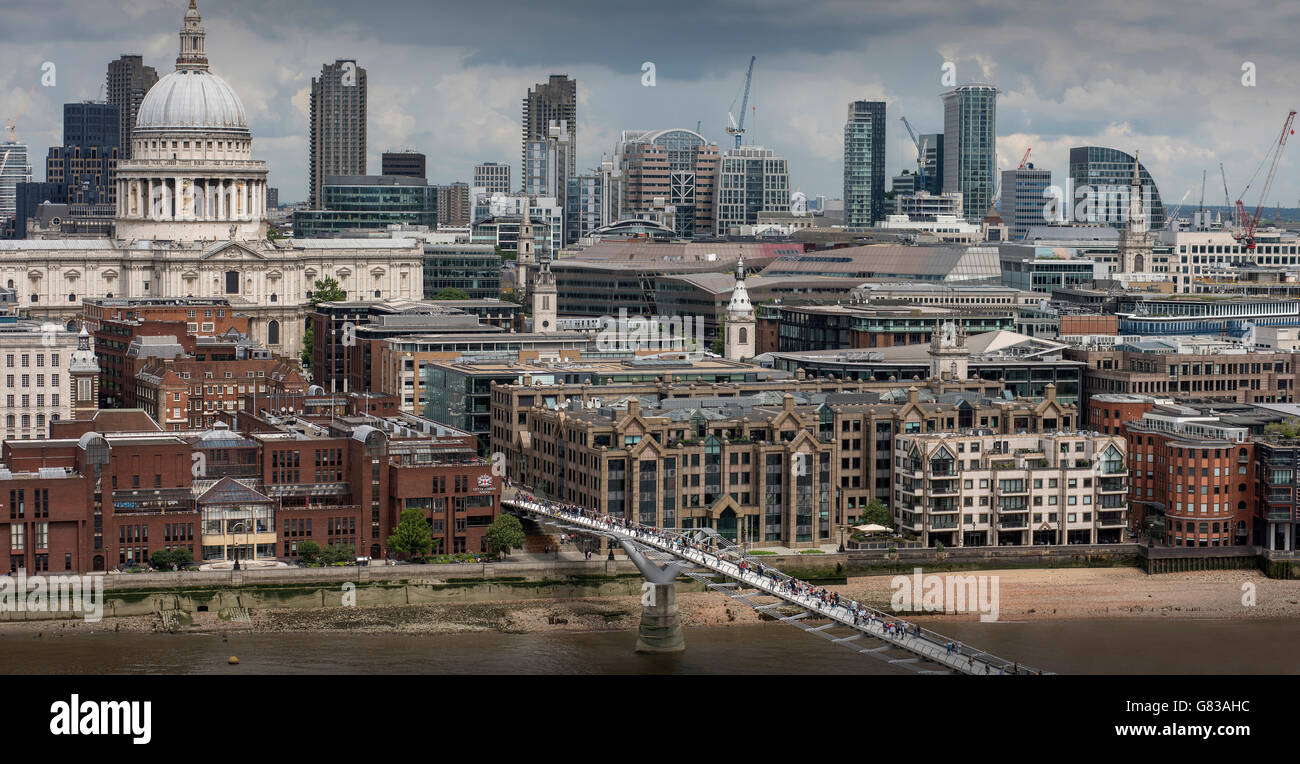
{"x":1025,"y":158}
{"x":1248,"y":224}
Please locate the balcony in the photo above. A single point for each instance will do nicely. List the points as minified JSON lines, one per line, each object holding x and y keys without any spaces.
{"x":944,"y":506}
{"x":1278,"y":514}
{"x":1013,"y":525}
{"x":942,"y":525}
{"x":1111,"y":519}
{"x":943,"y":488}
{"x":1112,"y":485}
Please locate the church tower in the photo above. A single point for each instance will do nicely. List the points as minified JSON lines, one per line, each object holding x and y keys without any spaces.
{"x":740,"y":342}
{"x":1135,"y":243}
{"x":84,"y":370}
{"x":544,"y":298}
{"x":949,"y":356}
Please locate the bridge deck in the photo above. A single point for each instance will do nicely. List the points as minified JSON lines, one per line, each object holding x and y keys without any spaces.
{"x":926,"y":644}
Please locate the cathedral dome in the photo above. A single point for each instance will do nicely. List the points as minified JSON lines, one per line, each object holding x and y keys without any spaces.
{"x":191,"y":99}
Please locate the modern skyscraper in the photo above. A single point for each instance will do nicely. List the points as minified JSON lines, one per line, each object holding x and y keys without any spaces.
{"x":970,"y":146}
{"x":552,"y":101}
{"x":1023,"y":203}
{"x":864,"y":164}
{"x":410,"y":164}
{"x":14,"y":169}
{"x":493,"y":178}
{"x":86,"y":164}
{"x":589,"y":203}
{"x":751,"y":180}
{"x":128,"y":81}
{"x":338,"y":124}
{"x":675,"y":168}
{"x":549,"y":162}
{"x":1100,"y":178}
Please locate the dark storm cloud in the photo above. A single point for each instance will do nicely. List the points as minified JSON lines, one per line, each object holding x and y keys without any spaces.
{"x":446,"y":78}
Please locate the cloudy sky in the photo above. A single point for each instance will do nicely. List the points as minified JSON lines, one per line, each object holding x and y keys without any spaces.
{"x":446,"y":78}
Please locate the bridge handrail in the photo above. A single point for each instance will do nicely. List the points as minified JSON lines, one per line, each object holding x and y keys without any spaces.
{"x":929,"y":639}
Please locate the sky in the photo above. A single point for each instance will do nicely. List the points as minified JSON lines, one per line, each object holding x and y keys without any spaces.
{"x":447,"y":78}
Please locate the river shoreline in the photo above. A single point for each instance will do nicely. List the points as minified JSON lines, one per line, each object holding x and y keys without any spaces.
{"x":1023,"y":595}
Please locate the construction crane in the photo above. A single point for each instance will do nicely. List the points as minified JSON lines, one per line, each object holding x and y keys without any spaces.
{"x":1025,"y":158}
{"x":920,"y":155}
{"x":1227,"y":200}
{"x":738,"y":128}
{"x":1246,"y":225}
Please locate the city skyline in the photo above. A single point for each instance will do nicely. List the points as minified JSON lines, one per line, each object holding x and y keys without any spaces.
{"x":1123,"y":93}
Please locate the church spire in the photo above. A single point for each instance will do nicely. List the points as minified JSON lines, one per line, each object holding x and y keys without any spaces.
{"x":192,"y":55}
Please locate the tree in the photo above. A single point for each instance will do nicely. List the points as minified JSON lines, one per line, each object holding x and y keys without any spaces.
{"x":325,"y":290}
{"x":877,"y":513}
{"x":504,"y":534}
{"x":451,"y":293}
{"x":161,"y":559}
{"x":411,"y":537}
{"x":181,"y":557}
{"x":309,"y":552}
{"x":338,"y":553}
{"x":1288,"y":429}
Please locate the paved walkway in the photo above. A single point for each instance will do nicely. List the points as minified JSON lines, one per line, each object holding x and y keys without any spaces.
{"x":863,"y":620}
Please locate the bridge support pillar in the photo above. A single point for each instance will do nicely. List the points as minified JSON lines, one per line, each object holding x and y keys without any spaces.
{"x":661,"y":625}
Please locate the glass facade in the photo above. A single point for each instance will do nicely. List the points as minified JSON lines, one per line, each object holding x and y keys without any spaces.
{"x":970,"y":146}
{"x":368,"y":205}
{"x":864,"y":164}
{"x":472,"y":268}
{"x":1110,"y":173}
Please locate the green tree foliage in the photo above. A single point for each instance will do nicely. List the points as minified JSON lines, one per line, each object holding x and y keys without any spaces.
{"x":1287,"y":429}
{"x":309,"y":552}
{"x":324,"y":290}
{"x":504,"y":534}
{"x":411,"y":537}
{"x":451,"y":293}
{"x":877,"y":513}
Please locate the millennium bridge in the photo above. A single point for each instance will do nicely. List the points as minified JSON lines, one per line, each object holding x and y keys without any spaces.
{"x":721,"y":565}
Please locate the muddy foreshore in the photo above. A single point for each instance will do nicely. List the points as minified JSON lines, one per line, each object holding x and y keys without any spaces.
{"x":1055,"y":594}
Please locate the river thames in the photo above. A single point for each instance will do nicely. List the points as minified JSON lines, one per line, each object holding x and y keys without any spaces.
{"x":1116,"y":646}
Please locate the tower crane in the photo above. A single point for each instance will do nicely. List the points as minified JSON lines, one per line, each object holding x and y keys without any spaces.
{"x":921,"y":146}
{"x":1025,"y":158}
{"x":738,"y":128}
{"x":1227,"y":200}
{"x":1246,"y":225}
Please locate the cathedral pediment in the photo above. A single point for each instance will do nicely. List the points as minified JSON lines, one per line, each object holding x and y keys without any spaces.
{"x":229,"y":250}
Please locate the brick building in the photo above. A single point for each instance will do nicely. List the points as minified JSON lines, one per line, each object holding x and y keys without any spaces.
{"x":102,"y":499}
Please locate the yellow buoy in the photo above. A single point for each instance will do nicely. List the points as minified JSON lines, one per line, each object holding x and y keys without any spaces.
{"x":233,"y":660}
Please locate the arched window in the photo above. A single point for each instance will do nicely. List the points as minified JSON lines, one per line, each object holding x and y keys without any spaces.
{"x":744,"y":335}
{"x":10,"y":284}
{"x":273,"y":333}
{"x":232,"y":282}
{"x":376,"y":293}
{"x":273,"y":297}
{"x":36,"y":298}
{"x":72,"y":297}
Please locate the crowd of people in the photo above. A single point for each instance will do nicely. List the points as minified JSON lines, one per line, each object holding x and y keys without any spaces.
{"x":820,"y":599}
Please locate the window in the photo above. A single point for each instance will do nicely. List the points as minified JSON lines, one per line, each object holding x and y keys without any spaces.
{"x":232,"y":283}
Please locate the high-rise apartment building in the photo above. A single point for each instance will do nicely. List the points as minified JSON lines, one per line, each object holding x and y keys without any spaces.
{"x":555,"y":100}
{"x":338,"y":124}
{"x":1023,"y":204}
{"x":454,"y":204}
{"x":589,"y":203}
{"x":674,"y":168}
{"x":751,"y":180}
{"x":407,"y":163}
{"x":864,"y":164}
{"x":970,"y":146}
{"x":493,"y":178}
{"x":128,"y":81}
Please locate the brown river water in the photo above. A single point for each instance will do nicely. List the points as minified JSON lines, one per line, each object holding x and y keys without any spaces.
{"x":1118,"y":646}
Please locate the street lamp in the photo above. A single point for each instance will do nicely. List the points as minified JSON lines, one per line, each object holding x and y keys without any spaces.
{"x":839,"y":501}
{"x":235,"y":528}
